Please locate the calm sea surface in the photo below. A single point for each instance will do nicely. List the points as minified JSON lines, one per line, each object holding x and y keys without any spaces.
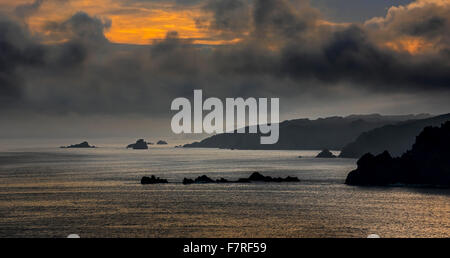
{"x":51,"y":192}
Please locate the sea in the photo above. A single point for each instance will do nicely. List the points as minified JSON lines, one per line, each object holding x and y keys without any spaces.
{"x":47,"y":191}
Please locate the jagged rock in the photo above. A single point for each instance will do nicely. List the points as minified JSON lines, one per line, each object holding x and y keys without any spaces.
{"x":203,"y":180}
{"x":325,"y":154}
{"x":199,"y":180}
{"x":427,"y":163}
{"x":153,"y":180}
{"x":161,"y":142}
{"x":257,"y":177}
{"x":139,"y":145}
{"x":187,"y":181}
{"x":80,"y":145}
{"x":222,"y":180}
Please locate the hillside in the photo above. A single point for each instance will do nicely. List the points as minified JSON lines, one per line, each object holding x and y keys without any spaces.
{"x":395,"y":138}
{"x":305,"y":134}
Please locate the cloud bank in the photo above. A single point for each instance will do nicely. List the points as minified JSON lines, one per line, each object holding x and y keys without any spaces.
{"x":281,"y":48}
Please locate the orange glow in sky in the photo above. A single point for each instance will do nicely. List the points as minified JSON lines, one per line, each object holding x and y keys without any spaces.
{"x":132,"y":23}
{"x":142,"y":22}
{"x":412,"y":45}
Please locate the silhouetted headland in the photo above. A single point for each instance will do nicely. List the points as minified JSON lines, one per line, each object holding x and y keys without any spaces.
{"x":427,"y":163}
{"x":325,"y":154}
{"x":80,"y":145}
{"x":305,"y":134}
{"x":396,"y":138}
{"x":254,"y":177}
{"x":139,"y":145}
{"x":153,"y":180}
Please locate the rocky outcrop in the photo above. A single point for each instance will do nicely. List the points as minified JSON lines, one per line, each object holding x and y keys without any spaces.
{"x":139,"y":145}
{"x":161,"y":142}
{"x":427,"y":163}
{"x":153,"y":180}
{"x":257,"y":177}
{"x":199,"y":180}
{"x":80,"y":145}
{"x":325,"y":154}
{"x":254,"y":177}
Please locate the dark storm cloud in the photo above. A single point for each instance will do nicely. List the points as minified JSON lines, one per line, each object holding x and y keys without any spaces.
{"x":284,"y":50}
{"x":346,"y":54}
{"x":431,"y":26}
{"x":350,"y":56}
{"x":430,"y":21}
{"x":27,"y":9}
{"x":81,"y":26}
{"x":16,"y":49}
{"x":280,"y":18}
{"x":230,"y":17}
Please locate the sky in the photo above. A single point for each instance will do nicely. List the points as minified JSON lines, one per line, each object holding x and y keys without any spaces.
{"x":79,"y":68}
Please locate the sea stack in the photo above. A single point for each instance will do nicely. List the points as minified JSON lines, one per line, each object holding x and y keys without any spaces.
{"x":80,"y":145}
{"x":139,"y":145}
{"x":325,"y":154}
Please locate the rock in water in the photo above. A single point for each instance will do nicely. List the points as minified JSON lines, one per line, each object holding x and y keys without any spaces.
{"x":255,"y":177}
{"x":80,"y":145}
{"x":427,"y":163}
{"x":139,"y":145}
{"x":187,"y":181}
{"x":153,"y":180}
{"x":325,"y":154}
{"x":199,"y":180}
{"x":258,"y":177}
{"x":161,"y":142}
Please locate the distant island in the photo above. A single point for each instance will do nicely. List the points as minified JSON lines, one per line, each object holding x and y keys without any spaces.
{"x":80,"y":145}
{"x":396,"y":138}
{"x":161,"y":142}
{"x":305,"y":134}
{"x":427,"y":163}
{"x":139,"y":145}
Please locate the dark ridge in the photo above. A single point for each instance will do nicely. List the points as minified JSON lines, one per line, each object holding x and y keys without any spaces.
{"x":304,"y":134}
{"x":396,"y":139}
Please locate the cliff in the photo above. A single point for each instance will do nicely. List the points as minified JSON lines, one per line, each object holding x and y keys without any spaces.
{"x":427,"y":163}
